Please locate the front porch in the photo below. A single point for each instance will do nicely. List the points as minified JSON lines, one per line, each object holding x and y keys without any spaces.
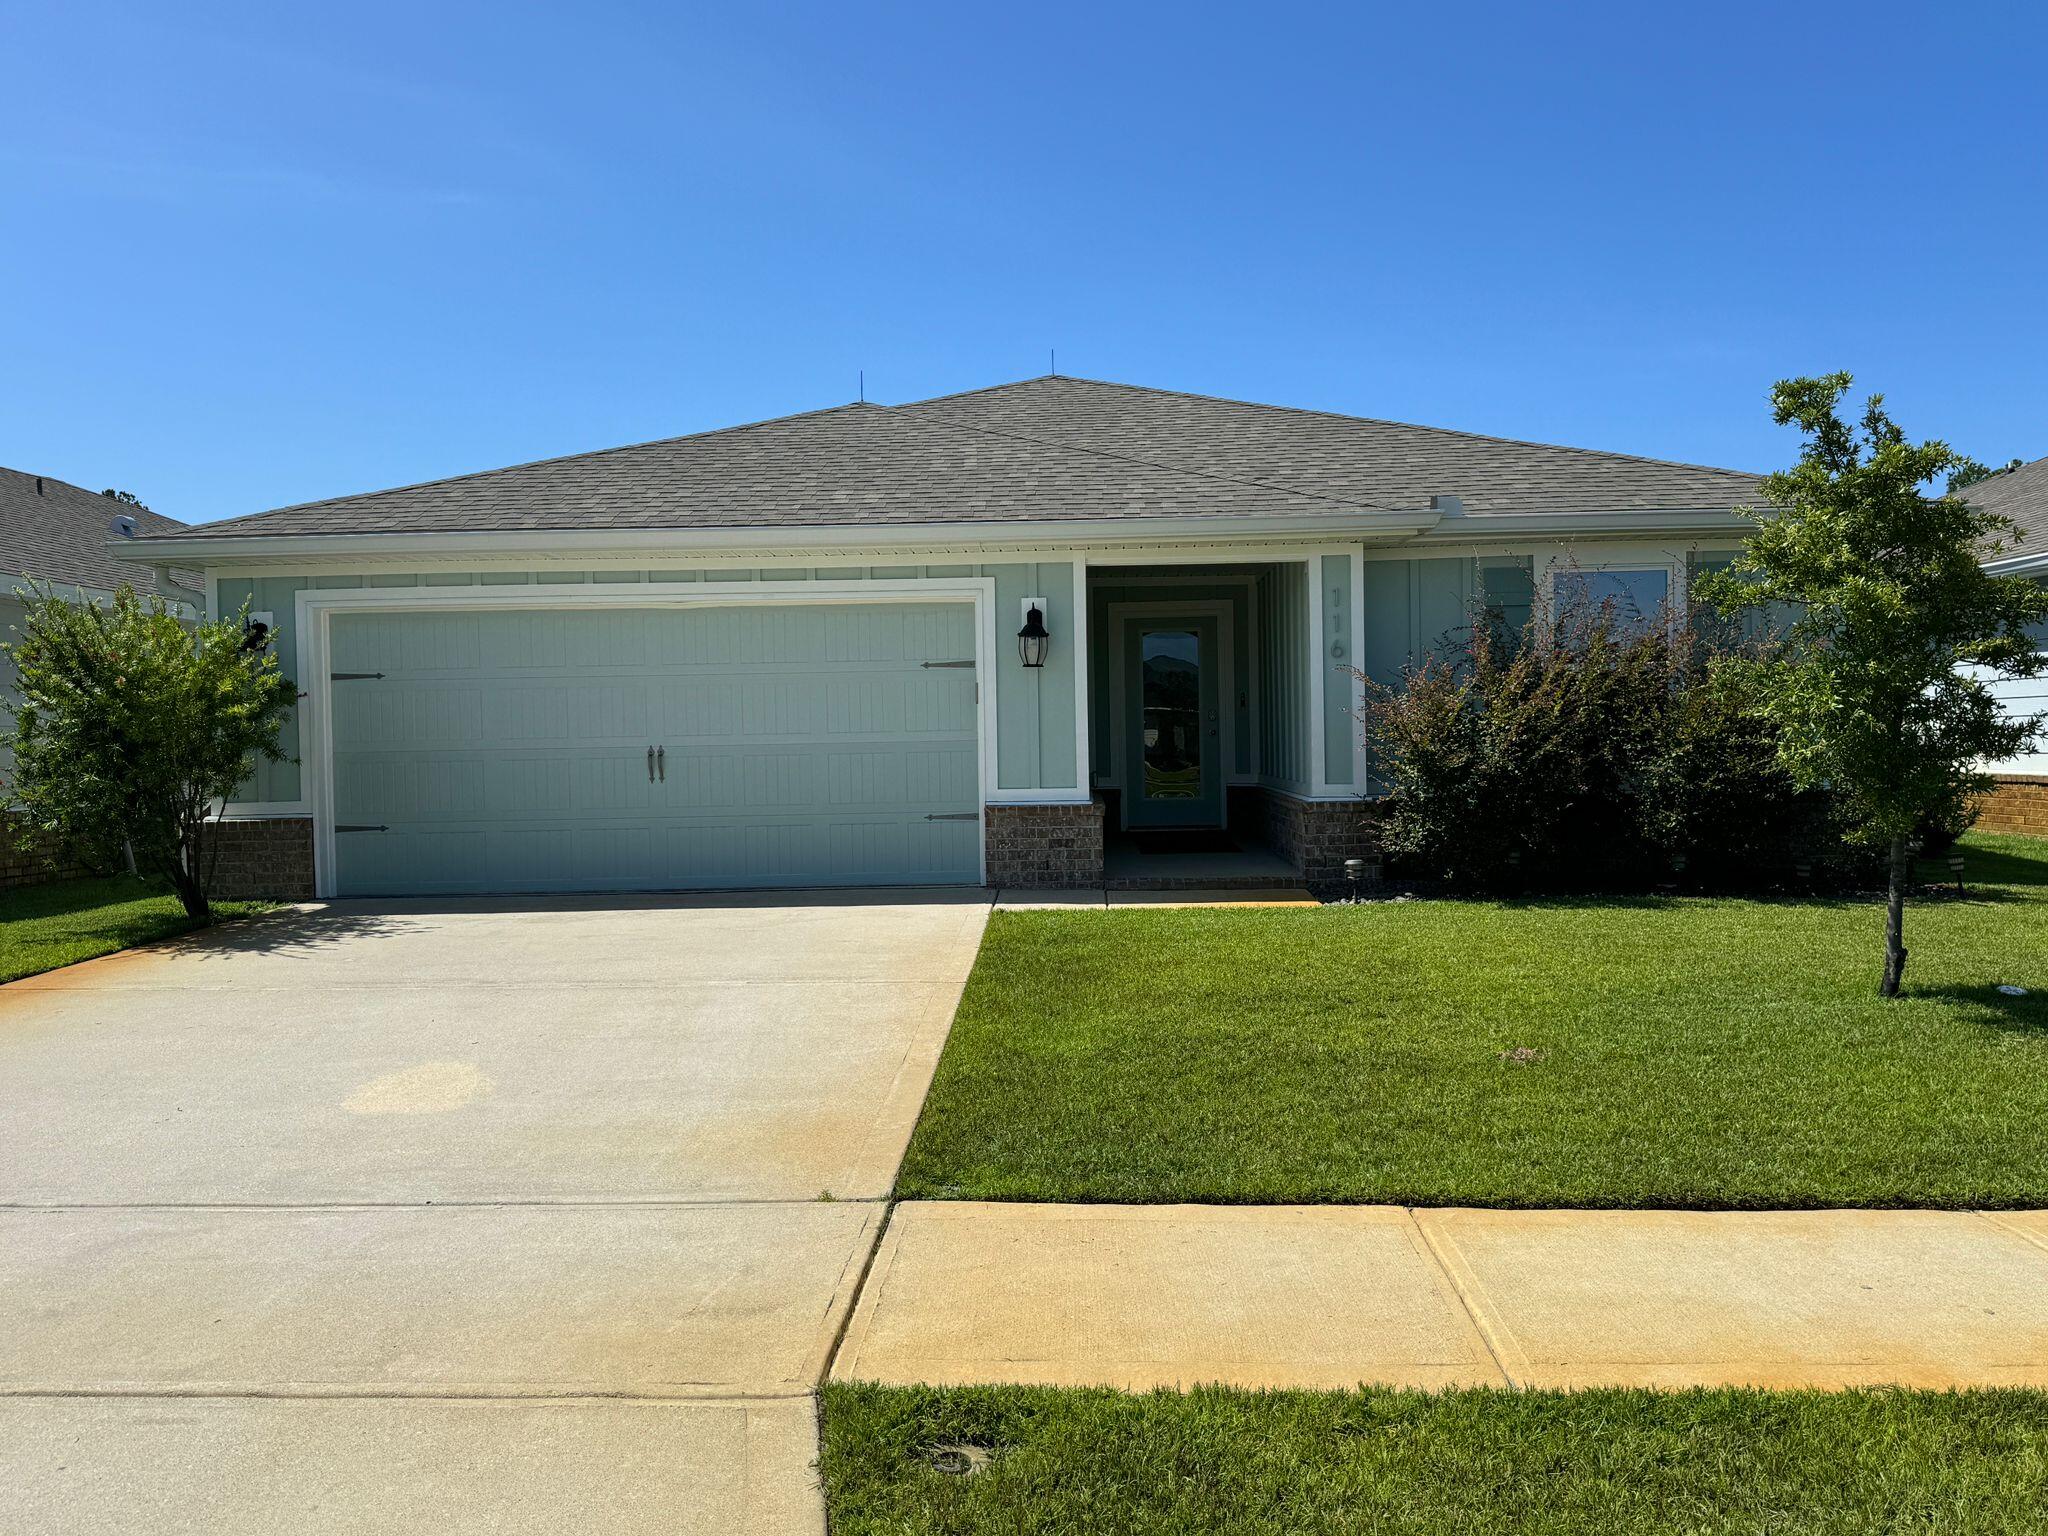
{"x":1221,"y":745}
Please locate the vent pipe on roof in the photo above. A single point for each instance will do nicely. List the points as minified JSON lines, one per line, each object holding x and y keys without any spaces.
{"x":39,"y":485}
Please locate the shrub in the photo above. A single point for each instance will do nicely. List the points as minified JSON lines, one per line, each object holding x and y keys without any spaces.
{"x":131,"y":727}
{"x":1600,"y":754}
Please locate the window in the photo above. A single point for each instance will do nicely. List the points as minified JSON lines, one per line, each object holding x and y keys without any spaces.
{"x":1631,"y":598}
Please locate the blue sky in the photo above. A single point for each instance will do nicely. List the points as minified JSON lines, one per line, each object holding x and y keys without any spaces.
{"x":256,"y":255}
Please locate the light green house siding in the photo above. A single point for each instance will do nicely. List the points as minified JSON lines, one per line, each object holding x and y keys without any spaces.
{"x":1416,"y":609}
{"x":1035,"y":744}
{"x":12,"y":610}
{"x":1340,"y":725}
{"x":1283,"y":678}
{"x":1036,"y":748}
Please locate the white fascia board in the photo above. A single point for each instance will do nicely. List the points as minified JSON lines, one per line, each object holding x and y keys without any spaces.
{"x":827,"y":543}
{"x":1499,"y":526}
{"x":2019,"y":565}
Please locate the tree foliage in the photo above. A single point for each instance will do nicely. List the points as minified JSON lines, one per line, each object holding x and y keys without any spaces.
{"x":1880,"y":694}
{"x":133,"y":726}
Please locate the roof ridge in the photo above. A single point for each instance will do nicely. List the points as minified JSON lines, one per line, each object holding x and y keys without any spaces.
{"x":1371,"y":421}
{"x":559,"y":458}
{"x":1324,"y":498}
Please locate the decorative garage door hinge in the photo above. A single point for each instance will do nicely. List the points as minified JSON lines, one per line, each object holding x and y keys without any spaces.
{"x":347,"y":828}
{"x":954,"y":816}
{"x":351,"y":677}
{"x":945,"y":664}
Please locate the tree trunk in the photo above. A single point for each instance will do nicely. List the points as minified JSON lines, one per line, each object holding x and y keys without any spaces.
{"x":1895,"y":918}
{"x":185,"y":881}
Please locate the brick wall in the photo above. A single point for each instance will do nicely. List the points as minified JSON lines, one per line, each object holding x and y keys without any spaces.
{"x":2018,"y":802}
{"x":270,"y":859}
{"x":1316,"y":836}
{"x":28,"y":861}
{"x":1038,"y":847}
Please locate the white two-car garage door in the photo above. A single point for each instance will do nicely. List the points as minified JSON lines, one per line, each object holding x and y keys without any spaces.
{"x":591,"y":749}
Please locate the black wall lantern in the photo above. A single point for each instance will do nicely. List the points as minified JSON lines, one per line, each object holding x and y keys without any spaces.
{"x":1032,"y":640}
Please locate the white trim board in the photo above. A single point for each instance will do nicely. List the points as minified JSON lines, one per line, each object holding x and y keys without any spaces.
{"x":317,"y":606}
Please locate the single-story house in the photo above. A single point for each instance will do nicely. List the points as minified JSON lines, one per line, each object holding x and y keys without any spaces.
{"x":55,"y":533}
{"x":1056,"y":632}
{"x":2019,"y":800}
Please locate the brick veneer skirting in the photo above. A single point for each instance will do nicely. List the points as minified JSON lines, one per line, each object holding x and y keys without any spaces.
{"x":1045,"y":846}
{"x":270,"y":859}
{"x":1316,"y":836}
{"x":28,"y":861}
{"x":2018,"y":802}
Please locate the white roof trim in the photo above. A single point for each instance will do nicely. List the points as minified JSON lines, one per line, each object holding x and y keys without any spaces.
{"x":830,"y":540}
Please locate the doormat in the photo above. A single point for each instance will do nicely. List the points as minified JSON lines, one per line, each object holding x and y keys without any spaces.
{"x":1209,"y":840}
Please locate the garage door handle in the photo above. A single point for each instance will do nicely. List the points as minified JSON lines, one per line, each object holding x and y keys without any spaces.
{"x":954,"y":816}
{"x":650,"y":765}
{"x":661,"y":762}
{"x":361,"y":829}
{"x":945,"y":663}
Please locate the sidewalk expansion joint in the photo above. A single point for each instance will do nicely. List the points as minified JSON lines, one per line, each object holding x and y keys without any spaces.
{"x":1480,"y":1325}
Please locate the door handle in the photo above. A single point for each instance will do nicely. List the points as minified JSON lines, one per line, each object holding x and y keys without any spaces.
{"x":650,"y":765}
{"x":661,"y":762}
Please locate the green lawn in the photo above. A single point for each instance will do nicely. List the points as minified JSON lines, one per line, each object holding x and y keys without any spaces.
{"x":1476,"y":1463}
{"x":1689,"y":1052}
{"x":45,"y":926}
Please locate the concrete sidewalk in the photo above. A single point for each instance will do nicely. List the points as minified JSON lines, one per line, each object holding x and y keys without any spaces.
{"x":1170,"y":1296}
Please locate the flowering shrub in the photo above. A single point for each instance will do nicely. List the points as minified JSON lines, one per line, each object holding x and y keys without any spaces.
{"x":1605,"y":752}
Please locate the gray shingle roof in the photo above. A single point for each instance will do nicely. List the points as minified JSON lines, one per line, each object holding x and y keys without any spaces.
{"x":53,"y":531}
{"x":1048,"y":448}
{"x":2022,"y":495}
{"x":1355,"y":458}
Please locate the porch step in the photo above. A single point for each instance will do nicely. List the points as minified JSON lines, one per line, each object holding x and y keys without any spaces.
{"x":1252,"y":882}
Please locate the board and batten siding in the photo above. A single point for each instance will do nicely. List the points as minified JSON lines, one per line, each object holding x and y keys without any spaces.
{"x":1417,"y":609}
{"x":1283,"y":678}
{"x":1034,"y":706}
{"x":12,"y":611}
{"x":1340,"y":684}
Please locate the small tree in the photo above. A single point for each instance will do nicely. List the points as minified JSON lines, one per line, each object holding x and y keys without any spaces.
{"x":1870,"y":694}
{"x":132,"y":725}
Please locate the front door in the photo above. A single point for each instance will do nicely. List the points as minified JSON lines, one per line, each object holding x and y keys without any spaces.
{"x":1173,"y":768}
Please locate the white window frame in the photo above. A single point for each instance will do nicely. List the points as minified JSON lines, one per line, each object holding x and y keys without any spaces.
{"x":1548,"y":565}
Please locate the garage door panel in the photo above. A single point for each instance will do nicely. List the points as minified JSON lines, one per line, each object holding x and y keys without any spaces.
{"x":613,"y":784}
{"x":422,"y":643}
{"x":371,"y":714}
{"x":393,"y":788}
{"x":701,"y":709}
{"x":801,"y":745}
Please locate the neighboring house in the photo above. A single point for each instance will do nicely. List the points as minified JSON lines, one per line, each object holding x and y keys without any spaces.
{"x":789,"y":653}
{"x":2020,"y":801}
{"x":56,"y":533}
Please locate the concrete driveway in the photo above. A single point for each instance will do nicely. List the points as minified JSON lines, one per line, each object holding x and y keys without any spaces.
{"x":496,"y":1217}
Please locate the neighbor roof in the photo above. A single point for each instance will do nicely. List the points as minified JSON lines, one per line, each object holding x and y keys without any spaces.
{"x":1043,"y":449}
{"x":53,"y":531}
{"x":2022,"y":495}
